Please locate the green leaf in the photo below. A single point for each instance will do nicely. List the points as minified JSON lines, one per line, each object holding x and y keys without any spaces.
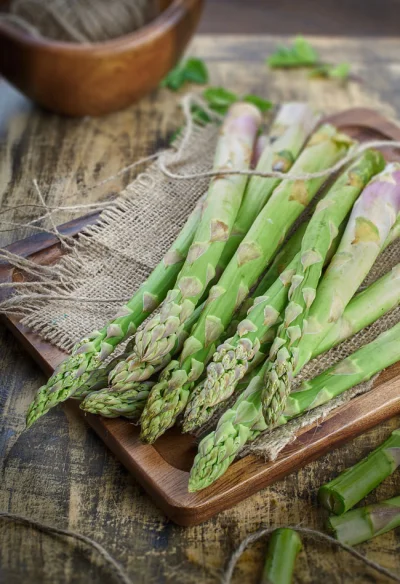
{"x":196,"y":71}
{"x":218,"y":97}
{"x":341,"y":71}
{"x":175,"y":79}
{"x":199,"y":115}
{"x":263,"y":104}
{"x":300,"y":54}
{"x":327,"y":71}
{"x":193,"y":70}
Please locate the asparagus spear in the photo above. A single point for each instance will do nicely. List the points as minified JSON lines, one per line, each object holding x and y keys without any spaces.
{"x":244,"y":421}
{"x":279,"y":265}
{"x":365,"y":523}
{"x":111,"y":403}
{"x":232,"y":358}
{"x":78,"y":369}
{"x":291,"y":128}
{"x":129,"y":370}
{"x":283,"y":548}
{"x":352,"y":485}
{"x":366,"y":307}
{"x":234,"y":150}
{"x":168,"y":398}
{"x":369,"y":225}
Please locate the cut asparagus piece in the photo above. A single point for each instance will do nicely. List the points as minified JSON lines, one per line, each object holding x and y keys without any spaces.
{"x":234,"y":151}
{"x":168,"y":398}
{"x":244,"y":420}
{"x":129,"y":371}
{"x":352,"y":485}
{"x":89,"y":354}
{"x":283,"y":548}
{"x":111,"y":403}
{"x":371,"y":220}
{"x":365,"y":523}
{"x":288,"y":134}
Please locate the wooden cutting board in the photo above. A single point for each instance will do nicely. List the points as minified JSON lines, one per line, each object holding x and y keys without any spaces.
{"x":163,"y":468}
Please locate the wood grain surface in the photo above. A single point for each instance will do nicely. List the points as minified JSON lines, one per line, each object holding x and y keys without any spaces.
{"x":59,"y":471}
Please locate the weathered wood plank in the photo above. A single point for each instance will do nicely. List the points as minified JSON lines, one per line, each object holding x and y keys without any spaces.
{"x":60,"y":471}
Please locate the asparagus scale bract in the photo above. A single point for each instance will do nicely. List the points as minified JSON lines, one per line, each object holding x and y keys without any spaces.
{"x":352,"y":485}
{"x":244,"y":421}
{"x":231,"y":360}
{"x":89,"y":354}
{"x":371,"y":220}
{"x":168,"y":398}
{"x":365,"y":523}
{"x":112,"y":403}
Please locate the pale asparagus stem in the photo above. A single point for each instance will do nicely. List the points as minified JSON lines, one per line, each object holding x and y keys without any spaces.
{"x":372,"y":218}
{"x":352,"y":485}
{"x":283,"y":548}
{"x":234,"y":150}
{"x":128,"y":371}
{"x":322,"y":228}
{"x":168,"y":399}
{"x":288,"y":134}
{"x":365,"y":308}
{"x":244,"y":421}
{"x":364,"y":523}
{"x":111,"y":403}
{"x":90,"y":353}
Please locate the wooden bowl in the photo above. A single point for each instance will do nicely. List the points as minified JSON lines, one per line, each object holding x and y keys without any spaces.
{"x":95,"y":79}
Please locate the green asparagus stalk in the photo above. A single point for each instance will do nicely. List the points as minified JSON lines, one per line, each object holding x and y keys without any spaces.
{"x":232,"y":358}
{"x":365,"y":308}
{"x":89,"y":354}
{"x":244,"y":421}
{"x":352,"y":485}
{"x":288,"y":134}
{"x":246,"y":348}
{"x":168,"y":398}
{"x":364,"y":523}
{"x":371,"y":220}
{"x":279,"y":265}
{"x":283,"y":548}
{"x":234,"y":150}
{"x":111,"y":403}
{"x":129,"y":370}
{"x":323,"y":226}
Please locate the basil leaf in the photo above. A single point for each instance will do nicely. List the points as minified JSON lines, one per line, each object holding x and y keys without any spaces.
{"x":263,"y":104}
{"x":196,"y":71}
{"x":300,"y":54}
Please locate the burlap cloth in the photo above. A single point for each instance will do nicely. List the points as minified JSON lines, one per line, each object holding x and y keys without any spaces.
{"x":108,"y":261}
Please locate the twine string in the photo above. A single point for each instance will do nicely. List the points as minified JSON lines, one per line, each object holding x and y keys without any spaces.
{"x":115,"y":568}
{"x":311,"y":533}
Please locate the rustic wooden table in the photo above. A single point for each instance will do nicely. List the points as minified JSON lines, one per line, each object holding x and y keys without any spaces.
{"x":60,"y":472}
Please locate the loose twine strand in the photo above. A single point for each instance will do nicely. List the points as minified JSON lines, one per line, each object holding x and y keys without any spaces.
{"x":119,"y":573}
{"x":115,"y":568}
{"x":313,"y":534}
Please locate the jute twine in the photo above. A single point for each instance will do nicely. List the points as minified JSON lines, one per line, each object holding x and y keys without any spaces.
{"x":80,"y":21}
{"x":119,"y":574}
{"x":109,"y":260}
{"x":310,"y":534}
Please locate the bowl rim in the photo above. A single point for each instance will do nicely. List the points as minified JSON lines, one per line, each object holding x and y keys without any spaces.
{"x":147,"y":33}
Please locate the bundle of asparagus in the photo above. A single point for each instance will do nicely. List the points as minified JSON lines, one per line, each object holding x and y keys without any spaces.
{"x":236,"y":290}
